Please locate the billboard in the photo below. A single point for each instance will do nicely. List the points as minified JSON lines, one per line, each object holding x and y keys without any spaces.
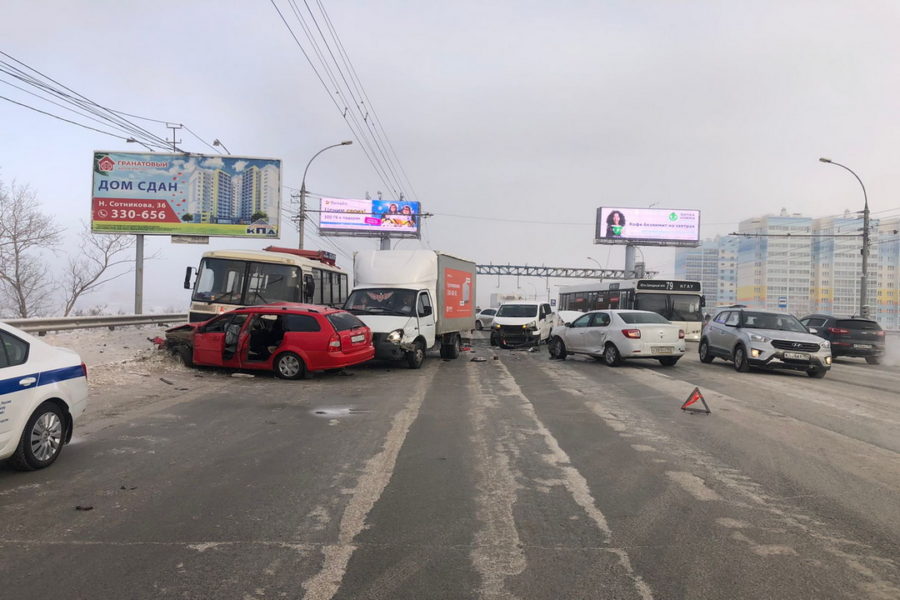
{"x":376,"y":218}
{"x":186,"y":194}
{"x":648,"y":226}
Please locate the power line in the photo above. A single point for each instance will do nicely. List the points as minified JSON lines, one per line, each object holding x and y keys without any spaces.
{"x":344,"y":87}
{"x":355,"y":78}
{"x":43,"y":112}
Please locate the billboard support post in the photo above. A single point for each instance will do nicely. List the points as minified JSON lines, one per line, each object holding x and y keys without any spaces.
{"x":629,"y":260}
{"x":139,"y":274}
{"x":385,"y":243}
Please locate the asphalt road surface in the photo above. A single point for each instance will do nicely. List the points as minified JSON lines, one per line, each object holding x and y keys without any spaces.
{"x":521,"y":477}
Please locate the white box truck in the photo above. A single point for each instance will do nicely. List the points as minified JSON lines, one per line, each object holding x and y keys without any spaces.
{"x":413,"y":300}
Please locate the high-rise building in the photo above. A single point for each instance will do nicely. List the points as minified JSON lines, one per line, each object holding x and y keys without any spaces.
{"x":886,"y":299}
{"x":800,"y":265}
{"x":713,"y":264}
{"x":774,"y":272}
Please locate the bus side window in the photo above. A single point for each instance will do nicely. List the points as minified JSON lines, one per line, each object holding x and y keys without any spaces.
{"x":317,"y":288}
{"x":344,"y":294}
{"x":327,"y":290}
{"x":309,"y":288}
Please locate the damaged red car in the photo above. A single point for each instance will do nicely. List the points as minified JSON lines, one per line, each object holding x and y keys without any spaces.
{"x":293,"y":340}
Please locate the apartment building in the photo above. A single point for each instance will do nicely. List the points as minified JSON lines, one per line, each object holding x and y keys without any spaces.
{"x":801,"y":265}
{"x":714,"y":265}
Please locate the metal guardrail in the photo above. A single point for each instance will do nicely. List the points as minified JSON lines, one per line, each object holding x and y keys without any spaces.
{"x":41,"y":326}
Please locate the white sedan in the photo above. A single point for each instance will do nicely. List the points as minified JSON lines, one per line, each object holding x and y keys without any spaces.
{"x":43,"y":390}
{"x":615,"y":335}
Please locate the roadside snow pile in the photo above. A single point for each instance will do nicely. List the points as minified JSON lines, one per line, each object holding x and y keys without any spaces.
{"x":121,"y":356}
{"x":100,"y":346}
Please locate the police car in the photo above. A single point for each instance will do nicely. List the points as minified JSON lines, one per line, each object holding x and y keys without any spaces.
{"x":43,"y":391}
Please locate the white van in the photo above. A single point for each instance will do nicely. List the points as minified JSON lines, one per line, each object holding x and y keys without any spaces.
{"x":521,"y":323}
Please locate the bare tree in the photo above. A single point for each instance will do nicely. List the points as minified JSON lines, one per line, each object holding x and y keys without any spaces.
{"x":25,"y":280}
{"x":100,"y":254}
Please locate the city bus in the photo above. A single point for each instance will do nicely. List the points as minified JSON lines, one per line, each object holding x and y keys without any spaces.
{"x":677,"y":300}
{"x":227,"y":279}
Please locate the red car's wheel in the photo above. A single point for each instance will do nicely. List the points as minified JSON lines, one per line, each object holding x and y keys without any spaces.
{"x":289,"y":366}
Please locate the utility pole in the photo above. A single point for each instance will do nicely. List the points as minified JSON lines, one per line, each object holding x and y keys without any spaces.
{"x":864,"y":277}
{"x":301,"y":214}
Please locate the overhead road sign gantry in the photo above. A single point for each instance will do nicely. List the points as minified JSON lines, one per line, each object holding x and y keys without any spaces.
{"x":569,"y":272}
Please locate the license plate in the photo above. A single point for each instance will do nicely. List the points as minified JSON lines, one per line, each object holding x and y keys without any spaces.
{"x":357,"y":338}
{"x":866,"y":346}
{"x":662,"y":349}
{"x":796,"y":356}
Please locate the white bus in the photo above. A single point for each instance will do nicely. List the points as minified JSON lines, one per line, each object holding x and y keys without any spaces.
{"x":227,"y":279}
{"x":677,"y":300}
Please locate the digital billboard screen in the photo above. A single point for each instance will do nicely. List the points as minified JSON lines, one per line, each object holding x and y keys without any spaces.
{"x":648,"y":226}
{"x":186,"y":194}
{"x":347,"y":216}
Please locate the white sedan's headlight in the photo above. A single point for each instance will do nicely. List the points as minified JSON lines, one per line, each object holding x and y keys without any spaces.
{"x":755,"y":337}
{"x":825,"y":344}
{"x":395,"y":336}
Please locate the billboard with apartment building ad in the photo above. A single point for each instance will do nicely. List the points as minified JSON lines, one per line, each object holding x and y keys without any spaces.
{"x":186,"y":194}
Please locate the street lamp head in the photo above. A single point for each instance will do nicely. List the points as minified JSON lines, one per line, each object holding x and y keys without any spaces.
{"x":825,"y":160}
{"x":347,"y":143}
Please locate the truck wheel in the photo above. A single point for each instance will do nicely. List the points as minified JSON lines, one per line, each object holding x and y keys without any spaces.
{"x":452,"y":349}
{"x":416,"y":356}
{"x":494,"y":341}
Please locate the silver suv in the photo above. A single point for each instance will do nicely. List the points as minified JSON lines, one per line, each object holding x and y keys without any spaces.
{"x":768,"y":340}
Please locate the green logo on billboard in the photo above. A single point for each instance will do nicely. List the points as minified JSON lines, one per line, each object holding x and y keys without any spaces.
{"x":673,"y":216}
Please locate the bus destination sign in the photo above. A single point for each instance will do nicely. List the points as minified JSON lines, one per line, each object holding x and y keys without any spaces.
{"x":668,"y":285}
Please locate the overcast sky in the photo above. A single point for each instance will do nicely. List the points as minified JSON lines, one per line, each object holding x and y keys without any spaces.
{"x":500,"y":112}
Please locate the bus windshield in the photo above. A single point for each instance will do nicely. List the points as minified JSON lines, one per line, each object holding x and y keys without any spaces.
{"x":685,"y":308}
{"x":675,"y":307}
{"x":223,"y":280}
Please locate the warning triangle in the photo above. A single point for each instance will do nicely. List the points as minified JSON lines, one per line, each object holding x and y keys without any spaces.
{"x":695,"y":397}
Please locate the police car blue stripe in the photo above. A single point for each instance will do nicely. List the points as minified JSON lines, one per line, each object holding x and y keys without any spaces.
{"x":63,"y":374}
{"x":8,"y":386}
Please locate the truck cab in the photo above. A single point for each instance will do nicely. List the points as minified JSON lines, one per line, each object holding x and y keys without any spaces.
{"x":413,"y":300}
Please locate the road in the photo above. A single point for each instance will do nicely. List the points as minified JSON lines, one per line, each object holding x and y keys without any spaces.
{"x":519,"y":477}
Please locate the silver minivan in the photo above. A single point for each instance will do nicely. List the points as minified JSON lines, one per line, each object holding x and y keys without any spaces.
{"x":764,"y":339}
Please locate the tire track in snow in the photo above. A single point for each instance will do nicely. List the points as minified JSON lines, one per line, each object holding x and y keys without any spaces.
{"x":499,"y":553}
{"x":376,"y":474}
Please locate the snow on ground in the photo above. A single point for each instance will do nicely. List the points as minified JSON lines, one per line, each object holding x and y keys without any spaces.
{"x":119,"y":355}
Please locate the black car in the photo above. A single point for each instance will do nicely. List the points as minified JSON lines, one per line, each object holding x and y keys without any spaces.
{"x":851,"y":336}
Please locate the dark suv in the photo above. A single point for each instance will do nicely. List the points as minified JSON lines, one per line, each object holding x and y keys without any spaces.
{"x":849,"y":336}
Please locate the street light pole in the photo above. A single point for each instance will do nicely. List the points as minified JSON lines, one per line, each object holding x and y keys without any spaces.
{"x":864,"y":277}
{"x":301,"y":215}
